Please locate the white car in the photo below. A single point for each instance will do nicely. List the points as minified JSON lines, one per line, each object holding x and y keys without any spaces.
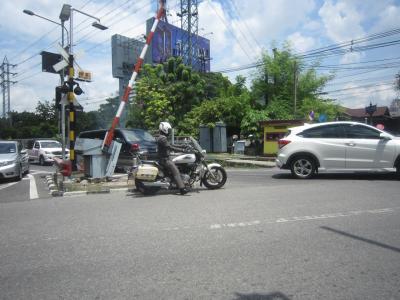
{"x":14,"y":160}
{"x":44,"y":151}
{"x":338,"y":147}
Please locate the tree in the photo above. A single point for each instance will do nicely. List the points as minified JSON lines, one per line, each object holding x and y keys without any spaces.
{"x":166,"y":92}
{"x":275,"y":80}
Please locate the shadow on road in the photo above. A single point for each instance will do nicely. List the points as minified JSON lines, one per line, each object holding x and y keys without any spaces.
{"x":359,"y":238}
{"x":344,"y":176}
{"x":254,"y":296}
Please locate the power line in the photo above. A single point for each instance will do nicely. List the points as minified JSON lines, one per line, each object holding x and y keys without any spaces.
{"x":229,"y":29}
{"x":361,"y":92}
{"x":359,"y":87}
{"x":245,"y":24}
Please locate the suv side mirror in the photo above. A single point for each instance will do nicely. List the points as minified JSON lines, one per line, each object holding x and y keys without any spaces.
{"x":385,"y":136}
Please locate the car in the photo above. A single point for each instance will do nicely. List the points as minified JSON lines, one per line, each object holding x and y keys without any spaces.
{"x":44,"y":151}
{"x":14,"y":160}
{"x":337,"y":147}
{"x":130,"y":138}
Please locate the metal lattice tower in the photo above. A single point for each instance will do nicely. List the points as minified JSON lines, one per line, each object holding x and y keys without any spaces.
{"x":190,"y":23}
{"x":5,"y":86}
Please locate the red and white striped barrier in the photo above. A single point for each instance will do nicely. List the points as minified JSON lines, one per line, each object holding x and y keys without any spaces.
{"x":110,"y":134}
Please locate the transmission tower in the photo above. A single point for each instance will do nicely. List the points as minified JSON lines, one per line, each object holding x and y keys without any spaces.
{"x":5,"y":86}
{"x":190,"y":24}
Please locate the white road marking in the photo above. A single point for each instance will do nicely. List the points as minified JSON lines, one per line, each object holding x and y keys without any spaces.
{"x":7,"y":185}
{"x":33,"y":194}
{"x":291,"y":219}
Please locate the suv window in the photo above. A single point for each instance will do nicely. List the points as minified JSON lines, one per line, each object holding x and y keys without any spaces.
{"x":97,"y":134}
{"x":137,"y":135}
{"x":324,"y":132}
{"x":361,"y":132}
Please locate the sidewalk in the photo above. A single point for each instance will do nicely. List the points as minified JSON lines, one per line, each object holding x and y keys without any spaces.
{"x":241,"y":161}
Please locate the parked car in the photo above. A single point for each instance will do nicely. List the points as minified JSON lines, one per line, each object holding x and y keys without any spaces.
{"x":128,"y":137}
{"x":44,"y":151}
{"x":338,"y":146}
{"x":14,"y":160}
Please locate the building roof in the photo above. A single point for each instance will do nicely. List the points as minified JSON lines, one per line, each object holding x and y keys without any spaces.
{"x":360,"y":112}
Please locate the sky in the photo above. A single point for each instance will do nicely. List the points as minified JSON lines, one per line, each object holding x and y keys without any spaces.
{"x":239,"y":31}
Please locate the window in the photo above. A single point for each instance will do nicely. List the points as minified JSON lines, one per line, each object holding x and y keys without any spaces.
{"x":361,"y":132}
{"x":36,"y":146}
{"x":52,"y":144}
{"x":134,"y":135}
{"x":7,"y":148}
{"x":324,"y":132}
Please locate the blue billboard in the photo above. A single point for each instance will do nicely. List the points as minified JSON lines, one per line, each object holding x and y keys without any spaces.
{"x":168,"y":40}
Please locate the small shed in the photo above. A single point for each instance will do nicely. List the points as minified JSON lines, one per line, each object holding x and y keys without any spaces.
{"x":273,"y":131}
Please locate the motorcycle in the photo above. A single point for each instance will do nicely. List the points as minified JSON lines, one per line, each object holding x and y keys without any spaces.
{"x":150,"y":176}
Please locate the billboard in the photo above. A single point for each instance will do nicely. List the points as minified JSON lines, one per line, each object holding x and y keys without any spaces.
{"x":125,"y":52}
{"x":168,"y":41}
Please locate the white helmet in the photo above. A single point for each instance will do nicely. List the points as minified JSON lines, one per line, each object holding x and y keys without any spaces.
{"x":165,"y":127}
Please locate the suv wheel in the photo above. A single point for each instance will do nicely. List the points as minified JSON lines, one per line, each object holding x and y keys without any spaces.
{"x":303,"y":167}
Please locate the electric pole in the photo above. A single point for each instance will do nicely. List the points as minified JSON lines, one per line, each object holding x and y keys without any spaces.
{"x":5,"y":86}
{"x":190,"y":24}
{"x":295,"y":80}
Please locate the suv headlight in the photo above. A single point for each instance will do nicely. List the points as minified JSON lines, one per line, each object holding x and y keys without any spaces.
{"x":6,"y":163}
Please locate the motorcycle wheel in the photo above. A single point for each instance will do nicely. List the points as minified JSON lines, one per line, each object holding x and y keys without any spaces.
{"x":219,"y":181}
{"x":144,"y":189}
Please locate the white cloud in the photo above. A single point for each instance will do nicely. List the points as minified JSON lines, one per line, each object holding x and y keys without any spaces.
{"x":351,"y":57}
{"x":301,"y":43}
{"x":342,"y":21}
{"x":388,"y":18}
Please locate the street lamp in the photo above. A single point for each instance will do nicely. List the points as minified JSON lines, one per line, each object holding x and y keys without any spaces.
{"x":69,"y":11}
{"x":31,"y":13}
{"x":63,"y":18}
{"x":67,"y":14}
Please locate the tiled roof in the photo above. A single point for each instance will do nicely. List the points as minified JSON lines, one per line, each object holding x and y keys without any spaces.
{"x":360,"y":112}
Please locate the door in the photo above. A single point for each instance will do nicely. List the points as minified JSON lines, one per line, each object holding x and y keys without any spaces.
{"x":365,"y":150}
{"x":326,"y":141}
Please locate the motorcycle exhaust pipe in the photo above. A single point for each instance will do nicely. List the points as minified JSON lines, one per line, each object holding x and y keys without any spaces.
{"x":160,"y":184}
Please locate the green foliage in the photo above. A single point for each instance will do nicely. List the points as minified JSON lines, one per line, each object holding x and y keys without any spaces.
{"x":275,"y":80}
{"x":331,"y":110}
{"x":165,"y":92}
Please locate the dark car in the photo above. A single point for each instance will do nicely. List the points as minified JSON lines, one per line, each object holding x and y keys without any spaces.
{"x":128,"y":137}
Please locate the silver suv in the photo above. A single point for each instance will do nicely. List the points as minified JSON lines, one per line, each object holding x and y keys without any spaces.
{"x":338,"y":147}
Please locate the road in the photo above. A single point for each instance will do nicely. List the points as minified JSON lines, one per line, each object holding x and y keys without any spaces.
{"x":32,"y":185}
{"x":263,"y":236}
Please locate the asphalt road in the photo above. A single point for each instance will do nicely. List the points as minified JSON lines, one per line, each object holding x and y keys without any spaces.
{"x":264,"y":236}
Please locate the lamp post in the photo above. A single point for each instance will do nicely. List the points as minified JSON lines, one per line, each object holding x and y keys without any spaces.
{"x":63,"y":18}
{"x":70,"y":82}
{"x":67,"y":14}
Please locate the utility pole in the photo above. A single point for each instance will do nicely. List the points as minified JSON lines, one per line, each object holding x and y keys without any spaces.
{"x":295,"y":80}
{"x":5,"y":86}
{"x":190,"y":24}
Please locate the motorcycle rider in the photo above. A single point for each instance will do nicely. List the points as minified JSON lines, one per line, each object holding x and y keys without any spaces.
{"x":164,"y":148}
